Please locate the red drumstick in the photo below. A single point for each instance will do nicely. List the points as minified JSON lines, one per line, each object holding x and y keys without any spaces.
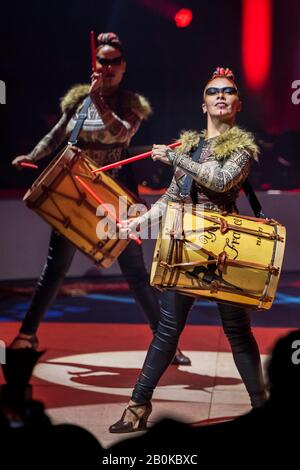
{"x":28,"y":165}
{"x":102,"y":203}
{"x":93,"y":51}
{"x":131,"y":159}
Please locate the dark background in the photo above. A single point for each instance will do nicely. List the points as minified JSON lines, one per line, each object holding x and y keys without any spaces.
{"x":45,"y":49}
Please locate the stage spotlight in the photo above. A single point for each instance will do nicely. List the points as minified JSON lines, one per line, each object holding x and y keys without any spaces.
{"x":183,"y":18}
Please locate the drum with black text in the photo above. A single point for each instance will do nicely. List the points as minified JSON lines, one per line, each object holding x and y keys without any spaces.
{"x":228,"y":258}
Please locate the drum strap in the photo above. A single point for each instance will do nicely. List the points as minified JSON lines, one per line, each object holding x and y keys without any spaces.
{"x":187,"y":185}
{"x":247,"y":187}
{"x":81,"y":117}
{"x":252,"y":198}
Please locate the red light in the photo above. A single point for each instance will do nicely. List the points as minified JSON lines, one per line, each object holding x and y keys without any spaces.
{"x":256,"y":42}
{"x":265,"y":186}
{"x":183,"y":18}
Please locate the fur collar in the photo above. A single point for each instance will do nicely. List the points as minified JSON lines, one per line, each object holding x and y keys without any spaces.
{"x":74,"y":97}
{"x":231,"y":141}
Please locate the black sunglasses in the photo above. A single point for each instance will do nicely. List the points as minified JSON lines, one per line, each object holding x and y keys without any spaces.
{"x":228,"y":90}
{"x":116,"y":61}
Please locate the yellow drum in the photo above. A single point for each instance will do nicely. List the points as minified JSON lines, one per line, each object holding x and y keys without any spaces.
{"x":59,"y":198}
{"x":223,"y":257}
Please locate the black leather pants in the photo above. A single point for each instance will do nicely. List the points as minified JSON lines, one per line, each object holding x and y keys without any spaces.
{"x":236,"y":323}
{"x":60,"y":256}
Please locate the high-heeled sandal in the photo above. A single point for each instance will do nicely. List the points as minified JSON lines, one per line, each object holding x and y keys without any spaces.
{"x":32,"y":342}
{"x":181,"y":359}
{"x":140,"y":424}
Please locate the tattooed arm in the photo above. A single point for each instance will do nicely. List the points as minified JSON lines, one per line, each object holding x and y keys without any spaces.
{"x":121,"y":130}
{"x":214,"y":174}
{"x":51,"y":141}
{"x":46,"y":145}
{"x":158,"y":209}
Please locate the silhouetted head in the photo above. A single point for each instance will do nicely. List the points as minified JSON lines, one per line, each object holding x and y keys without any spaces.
{"x":284,"y":369}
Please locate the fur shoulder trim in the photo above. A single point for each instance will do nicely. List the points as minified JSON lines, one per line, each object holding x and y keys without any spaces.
{"x":231,"y":141}
{"x":235,"y":140}
{"x":73,"y":98}
{"x":189,"y":141}
{"x":138,"y":104}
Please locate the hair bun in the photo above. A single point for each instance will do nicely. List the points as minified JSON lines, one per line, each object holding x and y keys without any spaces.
{"x":110,"y":39}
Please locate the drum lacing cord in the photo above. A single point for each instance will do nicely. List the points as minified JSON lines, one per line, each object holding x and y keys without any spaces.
{"x":249,"y":231}
{"x":66,"y":221}
{"x":222,"y":262}
{"x":265,"y":221}
{"x":264,"y":297}
{"x":215,"y":285}
{"x":224,"y":226}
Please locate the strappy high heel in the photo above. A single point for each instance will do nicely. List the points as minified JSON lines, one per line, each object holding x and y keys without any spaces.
{"x":140,"y":424}
{"x":181,"y":359}
{"x":32,"y":342}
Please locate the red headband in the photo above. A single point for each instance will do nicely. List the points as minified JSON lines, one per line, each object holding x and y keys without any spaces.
{"x":223,"y":72}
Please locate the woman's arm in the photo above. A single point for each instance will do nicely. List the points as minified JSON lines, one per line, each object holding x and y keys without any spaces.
{"x":51,"y":141}
{"x":121,"y":130}
{"x":158,"y":209}
{"x":215,"y":174}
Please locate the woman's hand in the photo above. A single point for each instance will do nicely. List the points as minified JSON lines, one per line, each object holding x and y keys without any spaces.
{"x":163,"y":154}
{"x":21,"y":159}
{"x":97,"y":82}
{"x":127,"y":227}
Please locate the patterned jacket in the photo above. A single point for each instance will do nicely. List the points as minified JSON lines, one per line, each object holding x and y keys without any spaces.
{"x":223,"y":165}
{"x":108,"y":129}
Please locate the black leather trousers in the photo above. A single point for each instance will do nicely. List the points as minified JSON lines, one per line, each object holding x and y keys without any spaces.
{"x":236,"y":323}
{"x":60,"y":256}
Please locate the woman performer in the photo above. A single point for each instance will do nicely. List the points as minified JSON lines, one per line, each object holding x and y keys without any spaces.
{"x":114,"y":117}
{"x":221,"y":166}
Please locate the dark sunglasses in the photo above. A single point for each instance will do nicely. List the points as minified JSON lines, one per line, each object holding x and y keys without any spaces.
{"x":115,"y":61}
{"x":228,"y":90}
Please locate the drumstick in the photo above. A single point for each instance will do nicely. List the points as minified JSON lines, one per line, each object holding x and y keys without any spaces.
{"x":93,"y":51}
{"x":28,"y":165}
{"x":102,"y":203}
{"x":131,"y":159}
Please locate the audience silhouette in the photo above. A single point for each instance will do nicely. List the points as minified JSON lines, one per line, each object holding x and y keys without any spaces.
{"x":27,"y":435}
{"x":264,"y":435}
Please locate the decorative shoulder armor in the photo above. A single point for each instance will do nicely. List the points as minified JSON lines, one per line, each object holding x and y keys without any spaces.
{"x":137,"y":103}
{"x":232,"y":141}
{"x":73,"y":98}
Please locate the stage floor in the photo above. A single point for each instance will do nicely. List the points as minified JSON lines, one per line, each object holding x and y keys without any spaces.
{"x":87,"y":373}
{"x":95,"y":345}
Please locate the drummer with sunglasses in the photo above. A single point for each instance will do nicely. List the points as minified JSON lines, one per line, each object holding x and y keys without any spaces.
{"x":222,"y":164}
{"x":113,"y":118}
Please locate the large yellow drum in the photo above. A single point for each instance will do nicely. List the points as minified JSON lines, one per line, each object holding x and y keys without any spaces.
{"x":59,"y":198}
{"x":223,"y":257}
